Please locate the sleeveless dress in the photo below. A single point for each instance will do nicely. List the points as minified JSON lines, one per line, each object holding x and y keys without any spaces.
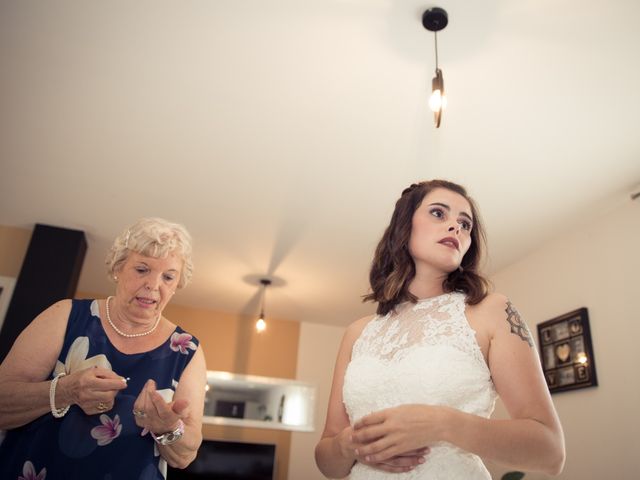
{"x":423,"y":353}
{"x":101,"y":447}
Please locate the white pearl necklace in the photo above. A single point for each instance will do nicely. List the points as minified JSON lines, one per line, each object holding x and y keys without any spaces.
{"x":129,"y":335}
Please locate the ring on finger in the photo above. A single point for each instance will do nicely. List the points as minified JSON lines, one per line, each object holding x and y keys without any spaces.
{"x":139,"y":413}
{"x":102,"y":407}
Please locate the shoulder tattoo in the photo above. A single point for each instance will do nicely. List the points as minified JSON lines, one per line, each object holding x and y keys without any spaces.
{"x":518,"y":327}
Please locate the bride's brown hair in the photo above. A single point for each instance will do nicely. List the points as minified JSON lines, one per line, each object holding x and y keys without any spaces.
{"x":393,"y":268}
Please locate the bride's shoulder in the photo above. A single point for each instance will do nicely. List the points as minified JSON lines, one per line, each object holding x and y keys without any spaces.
{"x":490,"y":309}
{"x":493,"y":301}
{"x":355,"y":328}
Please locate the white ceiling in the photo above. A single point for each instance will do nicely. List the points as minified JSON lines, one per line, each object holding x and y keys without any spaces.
{"x":281,"y":132}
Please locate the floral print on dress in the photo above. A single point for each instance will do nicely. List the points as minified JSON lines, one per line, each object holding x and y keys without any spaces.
{"x":29,"y":472}
{"x":95,"y":309}
{"x":108,"y":431}
{"x":180,"y":342}
{"x":77,"y":358}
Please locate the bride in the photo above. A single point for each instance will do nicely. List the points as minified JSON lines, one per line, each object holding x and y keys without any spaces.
{"x":414,"y":386}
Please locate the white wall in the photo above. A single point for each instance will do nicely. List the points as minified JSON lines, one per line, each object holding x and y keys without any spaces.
{"x":595,"y":266}
{"x":317,"y":351}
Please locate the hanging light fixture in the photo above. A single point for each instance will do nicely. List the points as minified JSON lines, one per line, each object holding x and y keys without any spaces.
{"x":261,"y":324}
{"x":434,"y":20}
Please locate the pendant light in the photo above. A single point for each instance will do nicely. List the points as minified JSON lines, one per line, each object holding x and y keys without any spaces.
{"x":261,"y":324}
{"x":434,"y":20}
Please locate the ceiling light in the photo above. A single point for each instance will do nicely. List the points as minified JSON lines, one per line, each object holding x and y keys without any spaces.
{"x":434,"y":20}
{"x":261,"y":324}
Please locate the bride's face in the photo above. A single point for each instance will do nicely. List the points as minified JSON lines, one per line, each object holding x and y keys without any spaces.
{"x":441,"y":230}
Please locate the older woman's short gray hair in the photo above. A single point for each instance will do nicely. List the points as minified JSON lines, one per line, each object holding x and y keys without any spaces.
{"x":152,"y":237}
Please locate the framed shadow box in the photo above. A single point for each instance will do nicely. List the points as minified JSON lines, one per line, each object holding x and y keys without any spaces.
{"x":566,"y":352}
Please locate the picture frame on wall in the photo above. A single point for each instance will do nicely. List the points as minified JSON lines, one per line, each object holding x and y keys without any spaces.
{"x":6,"y":291}
{"x":566,"y":352}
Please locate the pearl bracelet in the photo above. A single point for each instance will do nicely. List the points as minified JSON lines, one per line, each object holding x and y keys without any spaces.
{"x":56,"y":412}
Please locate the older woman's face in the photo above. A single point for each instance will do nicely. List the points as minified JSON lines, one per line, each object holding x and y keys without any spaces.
{"x":146,"y":284}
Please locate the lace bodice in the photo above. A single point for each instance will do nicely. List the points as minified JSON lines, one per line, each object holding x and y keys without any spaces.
{"x":421,"y":353}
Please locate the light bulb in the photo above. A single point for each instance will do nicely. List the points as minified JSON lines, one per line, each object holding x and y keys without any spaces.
{"x":437,"y":101}
{"x":261,"y":325}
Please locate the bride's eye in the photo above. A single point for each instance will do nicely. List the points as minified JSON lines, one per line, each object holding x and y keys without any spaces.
{"x":466,"y":225}
{"x":437,"y":212}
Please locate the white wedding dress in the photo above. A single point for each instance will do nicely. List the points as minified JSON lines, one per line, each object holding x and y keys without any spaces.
{"x":423,"y":353}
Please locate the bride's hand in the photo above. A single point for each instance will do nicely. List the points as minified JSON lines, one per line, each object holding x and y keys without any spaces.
{"x":401,"y":463}
{"x":389,"y":433}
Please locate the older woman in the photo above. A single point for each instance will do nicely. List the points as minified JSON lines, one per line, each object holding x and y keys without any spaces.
{"x":108,"y":388}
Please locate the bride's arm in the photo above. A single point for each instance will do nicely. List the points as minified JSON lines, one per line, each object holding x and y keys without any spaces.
{"x":532,"y":439}
{"x":335,"y":452}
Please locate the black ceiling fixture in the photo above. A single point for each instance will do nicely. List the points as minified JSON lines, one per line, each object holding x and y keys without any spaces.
{"x":261,"y":323}
{"x":434,"y":20}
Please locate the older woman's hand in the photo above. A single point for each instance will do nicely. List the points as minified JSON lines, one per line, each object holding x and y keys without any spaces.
{"x":154,"y":413}
{"x":93,"y":389}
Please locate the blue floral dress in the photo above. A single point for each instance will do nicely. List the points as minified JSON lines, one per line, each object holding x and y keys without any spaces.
{"x":102,"y":447}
